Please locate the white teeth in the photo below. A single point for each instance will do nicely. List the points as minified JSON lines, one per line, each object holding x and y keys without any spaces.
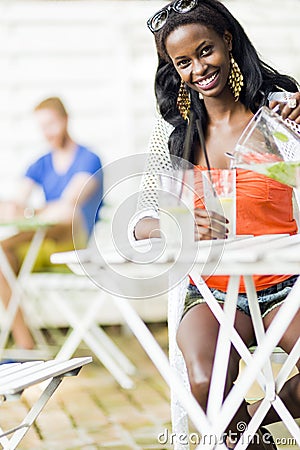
{"x":207,"y":80}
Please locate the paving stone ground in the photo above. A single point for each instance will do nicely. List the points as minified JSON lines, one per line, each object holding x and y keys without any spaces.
{"x":91,"y":411}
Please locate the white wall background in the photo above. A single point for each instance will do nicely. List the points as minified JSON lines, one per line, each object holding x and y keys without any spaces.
{"x":99,"y":57}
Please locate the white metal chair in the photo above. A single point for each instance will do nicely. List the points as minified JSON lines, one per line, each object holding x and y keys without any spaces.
{"x":16,"y":377}
{"x":65,"y":293}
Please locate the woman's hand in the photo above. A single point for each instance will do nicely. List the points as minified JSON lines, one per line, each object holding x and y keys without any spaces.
{"x":210,"y":225}
{"x":288,"y":110}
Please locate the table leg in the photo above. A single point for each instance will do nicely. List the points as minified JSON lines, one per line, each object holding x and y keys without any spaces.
{"x":287,"y":419}
{"x":12,"y":307}
{"x":220,"y":316}
{"x":272,"y":388}
{"x":160,"y":360}
{"x":262,"y":353}
{"x":221,"y":360}
{"x":82,"y":331}
{"x":259,"y":334}
{"x":15,"y":283}
{"x":227,"y":413}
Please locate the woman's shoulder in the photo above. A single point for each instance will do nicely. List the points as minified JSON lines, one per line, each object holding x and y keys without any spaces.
{"x":161,"y":132}
{"x":42,"y":160}
{"x":87,"y":154}
{"x":162,"y":124}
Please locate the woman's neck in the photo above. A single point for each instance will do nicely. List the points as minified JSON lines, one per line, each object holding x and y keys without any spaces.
{"x":226,"y":122}
{"x":224,"y":110}
{"x":67,"y":145}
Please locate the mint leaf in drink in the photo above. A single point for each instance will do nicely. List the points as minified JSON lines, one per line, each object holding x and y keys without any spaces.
{"x":280,"y":136}
{"x":285,"y":172}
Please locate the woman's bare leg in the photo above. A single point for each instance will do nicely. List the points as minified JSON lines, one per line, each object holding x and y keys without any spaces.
{"x":197,"y":337}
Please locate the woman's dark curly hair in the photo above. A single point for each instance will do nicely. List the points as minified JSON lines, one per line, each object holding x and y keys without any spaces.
{"x":259,"y":78}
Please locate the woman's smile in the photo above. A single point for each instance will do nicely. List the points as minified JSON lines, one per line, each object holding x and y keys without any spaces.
{"x":207,"y":82}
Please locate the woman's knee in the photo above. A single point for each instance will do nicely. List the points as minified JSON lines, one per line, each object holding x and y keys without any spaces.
{"x":200,"y":372}
{"x":199,"y":378}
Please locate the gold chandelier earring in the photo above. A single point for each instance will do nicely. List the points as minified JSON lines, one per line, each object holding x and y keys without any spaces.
{"x":235,"y":79}
{"x":183,"y":101}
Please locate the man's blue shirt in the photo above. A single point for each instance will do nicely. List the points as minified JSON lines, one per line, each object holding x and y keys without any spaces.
{"x":53,"y":184}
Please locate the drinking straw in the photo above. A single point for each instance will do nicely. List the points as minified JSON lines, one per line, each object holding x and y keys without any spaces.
{"x":187,"y":147}
{"x":203,"y":146}
{"x":202,"y":142}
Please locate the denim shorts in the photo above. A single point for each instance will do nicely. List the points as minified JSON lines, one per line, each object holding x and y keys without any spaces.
{"x":268,"y":299}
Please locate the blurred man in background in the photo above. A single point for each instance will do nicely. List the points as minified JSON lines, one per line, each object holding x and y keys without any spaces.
{"x":71,"y":180}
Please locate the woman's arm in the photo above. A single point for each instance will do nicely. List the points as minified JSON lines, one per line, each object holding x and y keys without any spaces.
{"x":145,"y":223}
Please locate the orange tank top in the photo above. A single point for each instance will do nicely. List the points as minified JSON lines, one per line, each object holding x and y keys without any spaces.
{"x":263,"y":206}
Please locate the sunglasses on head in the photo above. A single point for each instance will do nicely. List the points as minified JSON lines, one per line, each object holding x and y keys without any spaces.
{"x":159,"y":19}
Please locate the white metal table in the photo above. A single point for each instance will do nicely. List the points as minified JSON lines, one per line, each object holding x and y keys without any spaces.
{"x":272,"y":254}
{"x":9,"y":229}
{"x":103,"y":347}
